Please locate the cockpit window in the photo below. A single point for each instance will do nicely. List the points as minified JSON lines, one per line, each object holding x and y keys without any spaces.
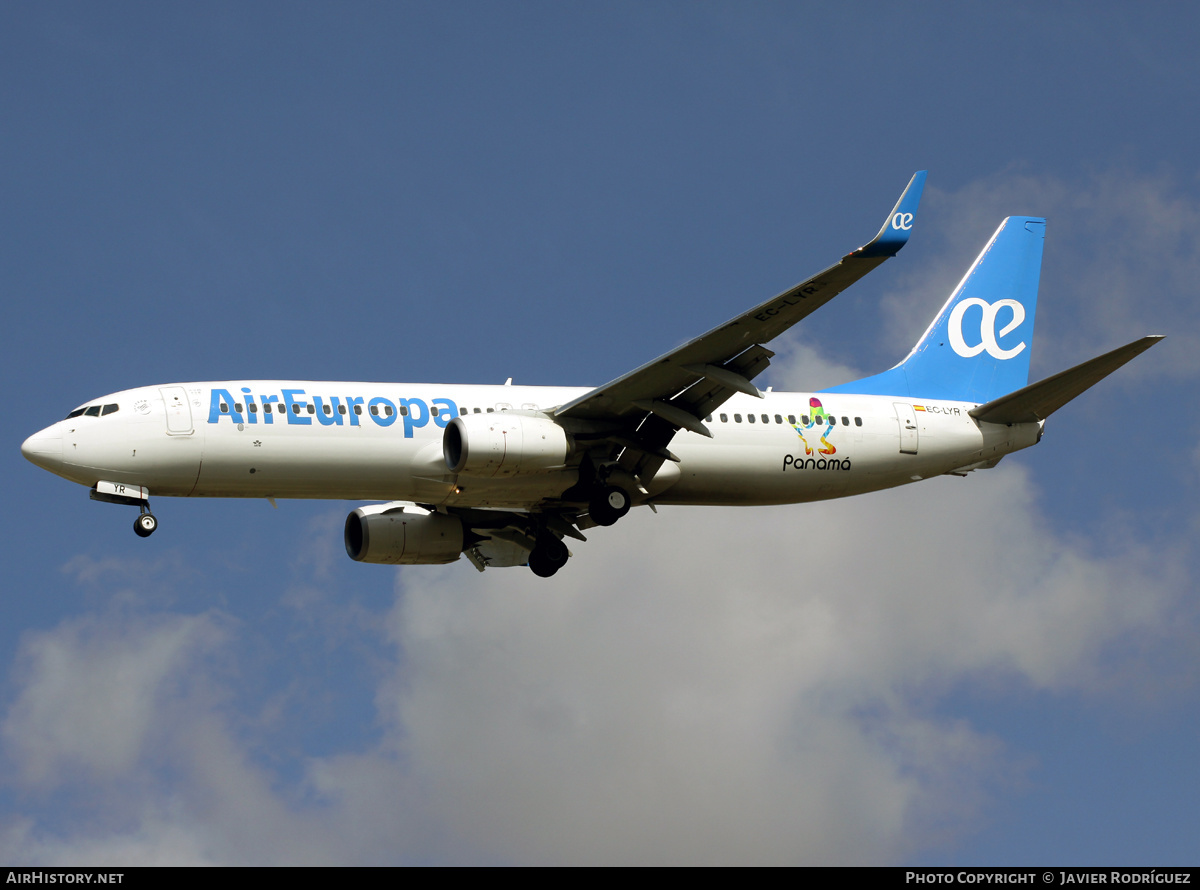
{"x":94,"y":411}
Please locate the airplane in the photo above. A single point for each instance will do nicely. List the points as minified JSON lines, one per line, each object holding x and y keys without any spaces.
{"x":504,"y":474}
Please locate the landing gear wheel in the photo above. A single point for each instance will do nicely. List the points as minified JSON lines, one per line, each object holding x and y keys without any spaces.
{"x":608,"y":505}
{"x":145,"y":525}
{"x":548,"y":556}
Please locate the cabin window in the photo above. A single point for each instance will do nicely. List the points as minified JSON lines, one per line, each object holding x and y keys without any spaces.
{"x":476,"y":410}
{"x":804,"y":419}
{"x":778,"y":419}
{"x":708,"y":419}
{"x":858,"y":421}
{"x":358,"y":409}
{"x":724,"y":418}
{"x":432,"y":411}
{"x":845,"y":421}
{"x":237,"y":406}
{"x":328,"y":410}
{"x":341,"y":409}
{"x":224,"y":408}
{"x":737,"y":418}
{"x":749,"y":418}
{"x":491,"y":410}
{"x":387,"y":410}
{"x":295,"y":409}
{"x":766,"y":419}
{"x":462,"y":411}
{"x":253,"y":408}
{"x":792,"y":419}
{"x":374,"y":410}
{"x":403,"y":411}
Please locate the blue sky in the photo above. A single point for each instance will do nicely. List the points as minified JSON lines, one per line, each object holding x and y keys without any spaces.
{"x":992,"y":670}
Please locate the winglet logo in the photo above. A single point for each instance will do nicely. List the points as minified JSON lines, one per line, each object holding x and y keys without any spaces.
{"x":902,"y":221}
{"x":988,"y":335}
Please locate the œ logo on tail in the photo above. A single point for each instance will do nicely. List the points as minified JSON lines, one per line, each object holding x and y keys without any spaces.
{"x":462,"y":472}
{"x":988,"y":335}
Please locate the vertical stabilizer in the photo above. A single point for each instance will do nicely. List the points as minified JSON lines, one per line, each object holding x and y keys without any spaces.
{"x":977,"y":347}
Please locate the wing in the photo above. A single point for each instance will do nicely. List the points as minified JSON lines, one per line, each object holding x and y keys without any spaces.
{"x":638,"y":414}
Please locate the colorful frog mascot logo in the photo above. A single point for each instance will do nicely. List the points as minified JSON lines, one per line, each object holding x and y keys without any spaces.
{"x":817,"y":418}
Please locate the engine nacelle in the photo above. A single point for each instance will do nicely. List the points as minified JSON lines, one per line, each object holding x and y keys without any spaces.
{"x":403,"y":534}
{"x":504,"y":444}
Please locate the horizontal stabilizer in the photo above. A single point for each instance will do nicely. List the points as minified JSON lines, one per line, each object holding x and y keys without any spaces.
{"x":1039,"y":400}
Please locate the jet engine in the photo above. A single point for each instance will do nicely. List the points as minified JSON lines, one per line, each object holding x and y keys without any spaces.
{"x":504,"y":444}
{"x":403,"y":534}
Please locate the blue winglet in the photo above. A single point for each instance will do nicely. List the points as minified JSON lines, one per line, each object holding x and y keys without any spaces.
{"x":898,"y":225}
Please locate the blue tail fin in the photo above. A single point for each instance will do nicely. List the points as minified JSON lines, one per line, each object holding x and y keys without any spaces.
{"x":977,"y":348}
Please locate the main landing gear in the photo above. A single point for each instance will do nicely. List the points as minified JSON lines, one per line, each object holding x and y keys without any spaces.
{"x":548,"y":556}
{"x":145,"y":524}
{"x":609,"y":504}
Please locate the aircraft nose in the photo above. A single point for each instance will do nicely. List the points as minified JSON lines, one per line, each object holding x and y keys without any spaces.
{"x":44,"y":449}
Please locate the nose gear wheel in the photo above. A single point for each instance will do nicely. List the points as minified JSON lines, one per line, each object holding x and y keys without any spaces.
{"x":145,"y":525}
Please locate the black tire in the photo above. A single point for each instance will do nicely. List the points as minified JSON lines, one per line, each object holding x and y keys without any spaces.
{"x":548,"y":556}
{"x":609,"y":504}
{"x":145,"y":525}
{"x":554,"y":550}
{"x":540,"y":565}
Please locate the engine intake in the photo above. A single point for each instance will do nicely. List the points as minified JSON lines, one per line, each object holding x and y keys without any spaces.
{"x":403,"y":534}
{"x":504,"y":444}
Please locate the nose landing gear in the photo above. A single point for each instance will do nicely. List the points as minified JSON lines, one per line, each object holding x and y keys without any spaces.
{"x":130,"y":495}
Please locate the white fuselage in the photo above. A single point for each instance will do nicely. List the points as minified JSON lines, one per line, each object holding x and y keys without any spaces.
{"x":383,"y":441}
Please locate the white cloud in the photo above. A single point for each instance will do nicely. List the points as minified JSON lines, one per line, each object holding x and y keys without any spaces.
{"x":737,"y":686}
{"x":158,"y":839}
{"x":697,"y":686}
{"x":127,"y":719}
{"x":799,"y":367}
{"x":93,"y":695}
